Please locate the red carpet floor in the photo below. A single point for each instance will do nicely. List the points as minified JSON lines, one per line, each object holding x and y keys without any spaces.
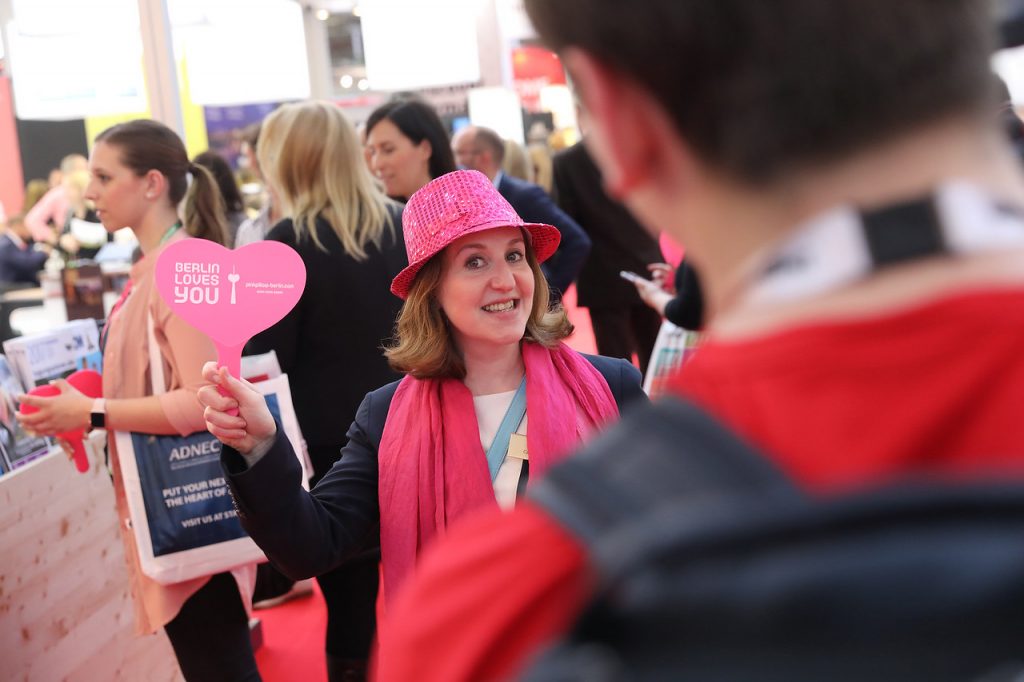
{"x":293,"y":633}
{"x":293,"y":640}
{"x":582,"y":339}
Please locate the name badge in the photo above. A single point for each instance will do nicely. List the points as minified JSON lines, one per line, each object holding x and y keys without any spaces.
{"x":517,"y":446}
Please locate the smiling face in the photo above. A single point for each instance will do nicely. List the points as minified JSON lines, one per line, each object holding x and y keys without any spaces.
{"x":401,"y":165}
{"x":486,"y":288}
{"x":117,"y":192}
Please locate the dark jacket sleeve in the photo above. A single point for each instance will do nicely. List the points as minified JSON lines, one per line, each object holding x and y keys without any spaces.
{"x":686,"y":310}
{"x":624,"y":380}
{"x":20,"y":265}
{"x":563,"y":192}
{"x":562,"y":270}
{"x":309,"y":533}
{"x":283,"y":337}
{"x":631,"y":391}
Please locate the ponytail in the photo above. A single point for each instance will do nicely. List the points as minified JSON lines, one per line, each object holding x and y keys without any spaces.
{"x":204,"y":207}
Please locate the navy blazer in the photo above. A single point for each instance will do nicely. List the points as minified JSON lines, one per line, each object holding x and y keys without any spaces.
{"x":19,"y":264}
{"x":534,"y":205}
{"x":307,"y":534}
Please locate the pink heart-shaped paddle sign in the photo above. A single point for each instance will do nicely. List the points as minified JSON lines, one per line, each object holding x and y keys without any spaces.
{"x":230,"y":295}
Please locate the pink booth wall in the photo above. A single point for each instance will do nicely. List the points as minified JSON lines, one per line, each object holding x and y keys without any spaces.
{"x":12,"y":185}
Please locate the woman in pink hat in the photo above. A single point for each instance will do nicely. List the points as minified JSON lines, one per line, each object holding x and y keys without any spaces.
{"x":490,"y":400}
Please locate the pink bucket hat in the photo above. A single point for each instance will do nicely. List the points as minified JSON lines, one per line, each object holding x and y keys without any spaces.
{"x":454,"y":205}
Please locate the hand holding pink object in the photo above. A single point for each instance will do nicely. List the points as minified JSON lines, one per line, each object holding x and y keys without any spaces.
{"x":230,"y":295}
{"x":86,"y":381}
{"x":235,"y":412}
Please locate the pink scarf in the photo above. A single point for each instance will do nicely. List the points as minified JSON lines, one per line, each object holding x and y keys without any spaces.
{"x":433,"y":469}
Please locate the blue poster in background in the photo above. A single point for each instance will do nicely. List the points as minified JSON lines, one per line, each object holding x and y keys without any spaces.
{"x":225,"y":127}
{"x":187,"y":500}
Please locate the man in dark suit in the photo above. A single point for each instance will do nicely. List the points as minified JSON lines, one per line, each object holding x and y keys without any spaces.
{"x":19,"y":262}
{"x":623,"y":324}
{"x":483,"y":150}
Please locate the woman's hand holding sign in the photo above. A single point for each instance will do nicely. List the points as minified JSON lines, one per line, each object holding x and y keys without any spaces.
{"x":252,"y":426}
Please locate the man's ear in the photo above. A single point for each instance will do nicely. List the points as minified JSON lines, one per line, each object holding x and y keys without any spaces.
{"x":624,"y":123}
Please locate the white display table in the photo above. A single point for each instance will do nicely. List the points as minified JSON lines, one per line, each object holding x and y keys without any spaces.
{"x":65,"y":608}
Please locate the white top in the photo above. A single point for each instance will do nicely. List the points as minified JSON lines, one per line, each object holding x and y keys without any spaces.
{"x":490,"y":410}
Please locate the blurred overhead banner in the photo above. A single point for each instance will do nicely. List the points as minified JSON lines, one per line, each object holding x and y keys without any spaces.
{"x":411,"y":44}
{"x":498,"y":109}
{"x":242,"y":51}
{"x":73,"y":59}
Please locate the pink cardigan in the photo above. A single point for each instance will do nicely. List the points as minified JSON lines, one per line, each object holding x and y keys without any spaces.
{"x":126,"y":375}
{"x":52,"y":206}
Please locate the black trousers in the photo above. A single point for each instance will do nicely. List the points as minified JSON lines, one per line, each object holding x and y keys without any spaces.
{"x":350,"y":591}
{"x":623,"y":330}
{"x":270,"y":583}
{"x":210,"y":635}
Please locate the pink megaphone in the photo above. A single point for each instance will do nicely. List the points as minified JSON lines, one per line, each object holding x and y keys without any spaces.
{"x":90,"y":383}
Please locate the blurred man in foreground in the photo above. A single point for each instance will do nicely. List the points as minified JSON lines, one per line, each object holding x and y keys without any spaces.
{"x":857,"y":218}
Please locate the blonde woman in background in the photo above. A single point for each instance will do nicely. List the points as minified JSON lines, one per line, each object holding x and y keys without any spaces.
{"x":350,"y":239}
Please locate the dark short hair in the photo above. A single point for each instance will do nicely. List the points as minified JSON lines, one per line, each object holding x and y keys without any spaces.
{"x":762,"y":89}
{"x":493,"y":141}
{"x":418,"y":121}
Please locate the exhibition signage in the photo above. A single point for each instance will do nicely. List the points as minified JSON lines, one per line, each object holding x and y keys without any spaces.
{"x":230,"y":295}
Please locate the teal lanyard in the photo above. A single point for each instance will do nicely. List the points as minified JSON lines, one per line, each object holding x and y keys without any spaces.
{"x":513,"y":415}
{"x":169,"y":233}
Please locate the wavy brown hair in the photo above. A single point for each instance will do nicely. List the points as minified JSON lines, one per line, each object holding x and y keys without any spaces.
{"x":424,"y":346}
